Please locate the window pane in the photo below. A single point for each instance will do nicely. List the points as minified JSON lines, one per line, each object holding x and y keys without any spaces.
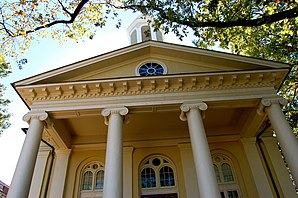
{"x":99,"y":179}
{"x":159,"y":35}
{"x":227,"y":172}
{"x":146,"y":34}
{"x":217,"y":173}
{"x":222,"y":194}
{"x":233,"y":194}
{"x":87,"y":180}
{"x":167,"y":176}
{"x":148,"y":178}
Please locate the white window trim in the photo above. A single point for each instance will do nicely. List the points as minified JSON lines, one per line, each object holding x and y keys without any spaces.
{"x":226,"y":186}
{"x":93,"y":192}
{"x":158,"y":189}
{"x":165,"y":69}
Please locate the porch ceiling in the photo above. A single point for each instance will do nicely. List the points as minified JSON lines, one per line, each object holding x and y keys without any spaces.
{"x":158,"y":122}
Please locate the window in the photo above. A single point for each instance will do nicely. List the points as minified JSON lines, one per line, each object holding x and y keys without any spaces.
{"x":92,"y":180}
{"x":151,"y":69}
{"x":159,"y":35}
{"x":87,"y":181}
{"x":157,"y":178}
{"x":133,"y":37}
{"x":225,"y":176}
{"x":146,"y":34}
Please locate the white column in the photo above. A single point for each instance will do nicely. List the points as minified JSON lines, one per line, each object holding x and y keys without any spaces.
{"x":21,"y":181}
{"x":113,"y":177}
{"x":59,"y":173}
{"x":284,"y":133}
{"x":207,"y":183}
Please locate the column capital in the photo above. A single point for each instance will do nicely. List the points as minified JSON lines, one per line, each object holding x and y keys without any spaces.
{"x":113,"y":110}
{"x":186,"y":107}
{"x":267,"y":102}
{"x":40,"y":115}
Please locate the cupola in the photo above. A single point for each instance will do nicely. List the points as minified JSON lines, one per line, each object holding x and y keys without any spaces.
{"x":140,"y":31}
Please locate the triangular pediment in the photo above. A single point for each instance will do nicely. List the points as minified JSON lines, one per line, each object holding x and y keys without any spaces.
{"x":124,"y":62}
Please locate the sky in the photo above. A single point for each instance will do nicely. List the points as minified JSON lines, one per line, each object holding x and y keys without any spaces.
{"x":46,"y":55}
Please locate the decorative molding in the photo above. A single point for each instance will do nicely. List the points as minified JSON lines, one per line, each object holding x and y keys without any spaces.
{"x":187,"y":107}
{"x":148,"y":85}
{"x":40,"y":115}
{"x":106,"y":113}
{"x":267,"y":102}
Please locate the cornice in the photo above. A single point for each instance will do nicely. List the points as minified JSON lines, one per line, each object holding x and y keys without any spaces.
{"x":149,"y":85}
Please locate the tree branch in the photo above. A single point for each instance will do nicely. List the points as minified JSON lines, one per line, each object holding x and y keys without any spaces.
{"x":193,"y":23}
{"x":64,"y":8}
{"x":71,"y":20}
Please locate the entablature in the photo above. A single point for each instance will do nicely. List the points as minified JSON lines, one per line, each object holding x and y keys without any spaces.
{"x":136,"y":86}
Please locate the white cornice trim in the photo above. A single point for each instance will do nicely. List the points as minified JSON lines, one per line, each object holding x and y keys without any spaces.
{"x":158,"y":85}
{"x":142,"y":45}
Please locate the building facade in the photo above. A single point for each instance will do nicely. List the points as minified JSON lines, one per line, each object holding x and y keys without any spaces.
{"x":156,"y":120}
{"x":3,"y":189}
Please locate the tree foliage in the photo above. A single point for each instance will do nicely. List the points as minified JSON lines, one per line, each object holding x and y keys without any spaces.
{"x":4,"y":115}
{"x":260,"y":28}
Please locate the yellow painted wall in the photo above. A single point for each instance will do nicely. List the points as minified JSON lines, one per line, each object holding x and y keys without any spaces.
{"x":233,"y":150}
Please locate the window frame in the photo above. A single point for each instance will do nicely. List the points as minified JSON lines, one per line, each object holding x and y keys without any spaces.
{"x":88,"y":167}
{"x":225,"y":187}
{"x":165,"y":69}
{"x":158,"y":189}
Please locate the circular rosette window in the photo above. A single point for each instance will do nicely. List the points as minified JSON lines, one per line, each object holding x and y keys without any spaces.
{"x":151,"y":69}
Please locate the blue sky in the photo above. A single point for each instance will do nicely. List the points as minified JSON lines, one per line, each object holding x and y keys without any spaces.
{"x":44,"y":56}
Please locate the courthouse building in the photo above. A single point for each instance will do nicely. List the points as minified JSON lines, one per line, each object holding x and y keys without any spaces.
{"x":157,"y":120}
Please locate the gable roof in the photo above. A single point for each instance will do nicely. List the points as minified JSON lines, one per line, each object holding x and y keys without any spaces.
{"x":205,"y":60}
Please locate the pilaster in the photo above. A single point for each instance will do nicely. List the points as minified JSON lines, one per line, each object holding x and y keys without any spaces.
{"x":256,"y":166}
{"x":190,"y":179}
{"x":279,"y":167}
{"x":59,"y":173}
{"x":127,"y":174}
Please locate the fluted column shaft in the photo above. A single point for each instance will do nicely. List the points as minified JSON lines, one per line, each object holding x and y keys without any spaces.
{"x":207,"y":183}
{"x":113,"y":177}
{"x":284,"y":133}
{"x":21,"y":181}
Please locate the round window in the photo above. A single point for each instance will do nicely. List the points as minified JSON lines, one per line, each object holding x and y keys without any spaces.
{"x":151,"y":69}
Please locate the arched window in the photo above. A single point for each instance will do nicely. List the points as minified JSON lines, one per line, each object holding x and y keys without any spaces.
{"x":148,"y":178}
{"x":227,"y":172}
{"x":87,"y":180}
{"x":159,"y":35}
{"x":166,"y":176}
{"x":133,"y":37}
{"x":225,"y":176}
{"x":92,"y":180}
{"x":157,"y":177}
{"x":146,"y":33}
{"x":99,"y":179}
